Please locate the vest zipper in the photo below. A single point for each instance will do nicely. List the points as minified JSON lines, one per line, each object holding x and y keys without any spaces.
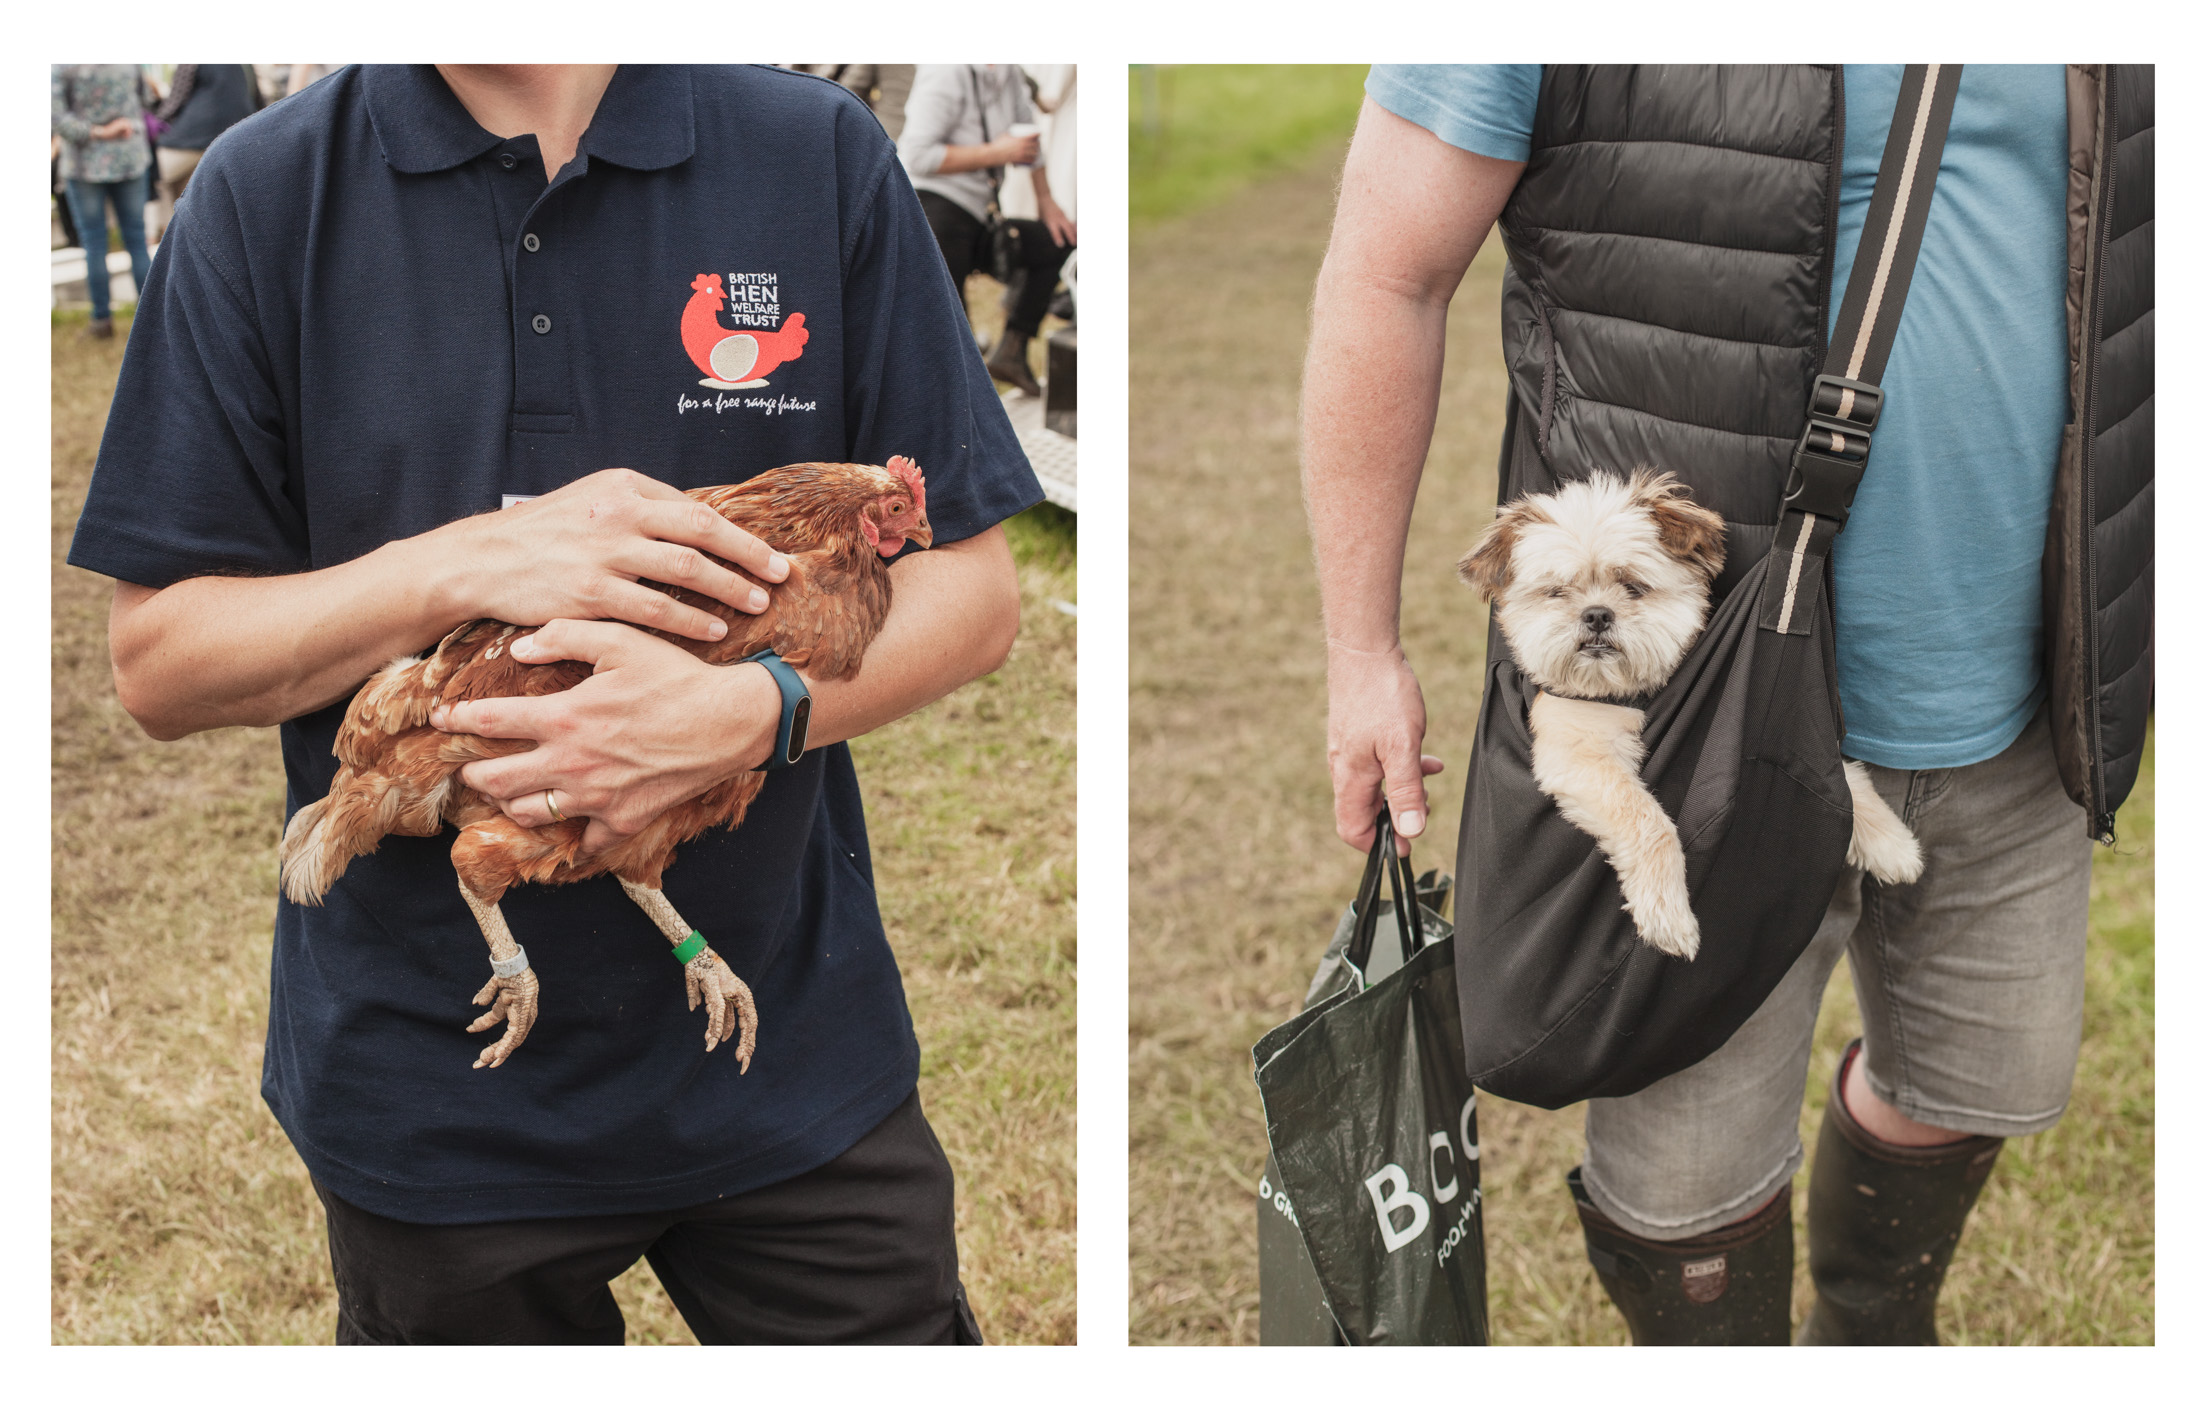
{"x":2103,"y":820}
{"x":1833,"y":217}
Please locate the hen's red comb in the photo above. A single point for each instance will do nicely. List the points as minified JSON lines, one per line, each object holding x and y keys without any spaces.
{"x":902,"y":468}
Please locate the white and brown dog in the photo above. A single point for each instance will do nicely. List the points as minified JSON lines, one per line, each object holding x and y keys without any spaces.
{"x":1600,"y":589}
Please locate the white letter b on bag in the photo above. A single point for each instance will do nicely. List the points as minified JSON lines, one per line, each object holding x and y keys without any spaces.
{"x":1397,"y":1196}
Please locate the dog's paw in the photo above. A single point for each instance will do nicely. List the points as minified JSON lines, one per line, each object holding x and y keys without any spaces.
{"x":1894,"y":860}
{"x":1879,"y":842}
{"x":1667,"y":924}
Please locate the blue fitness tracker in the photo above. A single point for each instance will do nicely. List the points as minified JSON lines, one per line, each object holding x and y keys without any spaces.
{"x":794,"y":710}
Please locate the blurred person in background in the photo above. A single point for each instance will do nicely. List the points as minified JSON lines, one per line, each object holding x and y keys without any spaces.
{"x":1055,"y":96}
{"x":59,"y":190}
{"x":99,"y":115}
{"x":203,"y":102}
{"x":884,"y":88}
{"x":966,"y":122}
{"x":303,"y":76}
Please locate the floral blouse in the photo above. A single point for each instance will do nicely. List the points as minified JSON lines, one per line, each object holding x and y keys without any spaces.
{"x":86,"y":95}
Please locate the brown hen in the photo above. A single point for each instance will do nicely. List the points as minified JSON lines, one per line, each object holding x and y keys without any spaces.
{"x":835,"y":524}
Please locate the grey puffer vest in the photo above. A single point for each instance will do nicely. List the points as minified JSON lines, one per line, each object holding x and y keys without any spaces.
{"x":1666,"y":303}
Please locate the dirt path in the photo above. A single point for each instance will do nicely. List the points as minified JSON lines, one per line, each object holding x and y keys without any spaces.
{"x":1237,"y":878}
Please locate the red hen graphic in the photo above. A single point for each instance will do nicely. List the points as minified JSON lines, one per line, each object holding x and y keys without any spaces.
{"x":734,"y":359}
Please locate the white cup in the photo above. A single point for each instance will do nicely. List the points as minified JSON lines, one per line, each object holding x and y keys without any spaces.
{"x":1024,"y":129}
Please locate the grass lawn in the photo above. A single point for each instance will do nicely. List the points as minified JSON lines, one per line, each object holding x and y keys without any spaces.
{"x":180,"y":1211}
{"x":1237,"y":878}
{"x":1200,"y":132}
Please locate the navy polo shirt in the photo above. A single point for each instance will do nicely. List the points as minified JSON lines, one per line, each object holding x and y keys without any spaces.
{"x":371,"y":317}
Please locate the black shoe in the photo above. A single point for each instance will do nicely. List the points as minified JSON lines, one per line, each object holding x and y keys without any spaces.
{"x":1884,"y":1221}
{"x":100,"y":328}
{"x":1729,"y":1287}
{"x":1007,"y":362}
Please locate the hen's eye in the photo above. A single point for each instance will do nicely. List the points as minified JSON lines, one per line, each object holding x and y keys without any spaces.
{"x":1633,"y":589}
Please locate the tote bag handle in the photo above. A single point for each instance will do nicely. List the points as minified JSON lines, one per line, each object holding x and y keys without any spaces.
{"x":1382,"y":857}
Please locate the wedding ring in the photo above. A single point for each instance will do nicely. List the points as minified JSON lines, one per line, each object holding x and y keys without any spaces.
{"x":550,"y":801}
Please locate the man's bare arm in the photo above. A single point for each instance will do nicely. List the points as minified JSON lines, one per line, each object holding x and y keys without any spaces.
{"x":208,"y":652}
{"x":977,"y":156}
{"x":653,"y":726}
{"x":956,"y":612}
{"x":1411,"y":213}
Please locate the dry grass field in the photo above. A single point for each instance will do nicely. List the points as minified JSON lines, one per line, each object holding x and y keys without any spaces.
{"x":1237,"y":878}
{"x":181,"y":1213}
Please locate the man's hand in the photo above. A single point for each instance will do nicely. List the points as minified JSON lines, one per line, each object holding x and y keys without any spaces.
{"x":1012,"y":150}
{"x":652,"y":727}
{"x":580,"y":550}
{"x":113,"y":128}
{"x":1060,"y":226}
{"x":1376,"y":721}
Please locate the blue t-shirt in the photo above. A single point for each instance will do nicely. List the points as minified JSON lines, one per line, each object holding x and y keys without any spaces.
{"x":1936,"y":578}
{"x":370,"y":318}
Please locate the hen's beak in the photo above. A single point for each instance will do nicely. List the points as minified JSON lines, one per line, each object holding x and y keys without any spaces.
{"x":920,"y":533}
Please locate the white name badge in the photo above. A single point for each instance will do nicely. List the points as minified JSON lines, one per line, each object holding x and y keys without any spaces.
{"x":512,"y":499}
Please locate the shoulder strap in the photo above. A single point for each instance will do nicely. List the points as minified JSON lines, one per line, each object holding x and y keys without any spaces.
{"x":985,"y":129}
{"x":1846,"y":400}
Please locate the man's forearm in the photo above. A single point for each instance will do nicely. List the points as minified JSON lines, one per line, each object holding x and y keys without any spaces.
{"x":254,"y":651}
{"x":956,"y":610}
{"x":975,"y":157}
{"x":1374,"y":370}
{"x":209,"y":652}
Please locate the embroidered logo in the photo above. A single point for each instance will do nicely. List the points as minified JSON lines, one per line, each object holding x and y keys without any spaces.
{"x":732,"y":360}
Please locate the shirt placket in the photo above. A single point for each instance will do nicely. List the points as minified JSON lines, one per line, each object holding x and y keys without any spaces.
{"x":544,"y":317}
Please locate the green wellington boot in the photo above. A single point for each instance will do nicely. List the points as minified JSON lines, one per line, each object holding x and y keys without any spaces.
{"x":1884,"y":1221}
{"x":1729,"y":1287}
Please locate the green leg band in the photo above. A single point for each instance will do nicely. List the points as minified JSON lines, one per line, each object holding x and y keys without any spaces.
{"x":689,"y":948}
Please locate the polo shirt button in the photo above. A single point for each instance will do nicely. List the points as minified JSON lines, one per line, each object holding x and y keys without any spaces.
{"x":542,"y":323}
{"x":508,"y":161}
{"x":531,"y":242}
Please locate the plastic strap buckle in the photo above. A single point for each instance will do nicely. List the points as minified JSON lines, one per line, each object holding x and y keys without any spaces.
{"x":1836,"y":444}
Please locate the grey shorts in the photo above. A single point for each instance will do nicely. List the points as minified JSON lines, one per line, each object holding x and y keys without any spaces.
{"x":1971,"y":982}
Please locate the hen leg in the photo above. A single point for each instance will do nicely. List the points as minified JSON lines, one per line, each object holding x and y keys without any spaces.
{"x":710,"y":980}
{"x":516,"y":996}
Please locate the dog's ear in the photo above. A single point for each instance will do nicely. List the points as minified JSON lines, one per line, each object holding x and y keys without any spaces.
{"x":1691,"y":533}
{"x":1488,"y":565}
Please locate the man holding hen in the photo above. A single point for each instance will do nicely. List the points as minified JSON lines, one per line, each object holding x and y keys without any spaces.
{"x":479,"y":303}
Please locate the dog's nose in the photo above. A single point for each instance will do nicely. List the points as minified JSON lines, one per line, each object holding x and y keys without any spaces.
{"x":1597,"y":619}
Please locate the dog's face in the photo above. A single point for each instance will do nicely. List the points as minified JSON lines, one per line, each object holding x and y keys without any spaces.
{"x":1601,"y":587}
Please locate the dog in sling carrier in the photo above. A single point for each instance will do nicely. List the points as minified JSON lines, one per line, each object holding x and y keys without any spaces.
{"x":1600,"y":588}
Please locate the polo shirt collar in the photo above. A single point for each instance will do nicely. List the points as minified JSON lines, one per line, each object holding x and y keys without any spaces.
{"x":645,"y":121}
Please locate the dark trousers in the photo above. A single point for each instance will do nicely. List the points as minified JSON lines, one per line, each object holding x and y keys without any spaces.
{"x":860,"y":1250}
{"x":961,"y":236}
